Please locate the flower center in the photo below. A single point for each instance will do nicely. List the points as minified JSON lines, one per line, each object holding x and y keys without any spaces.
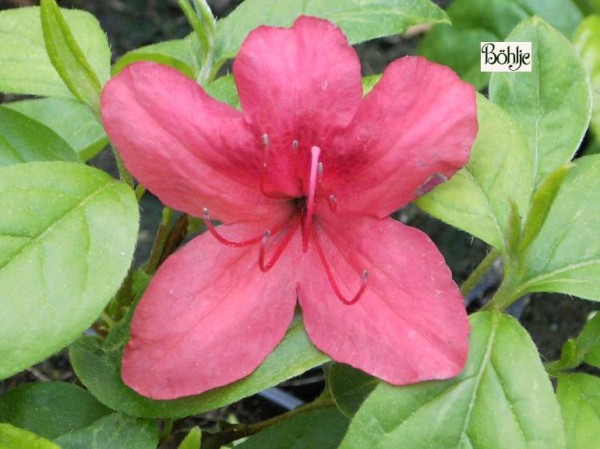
{"x":304,"y":216}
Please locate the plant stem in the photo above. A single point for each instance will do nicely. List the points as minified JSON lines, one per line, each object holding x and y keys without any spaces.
{"x":123,"y":172}
{"x":107,"y":319}
{"x":507,"y":293}
{"x":176,"y":236}
{"x":159,"y":241}
{"x":479,"y":272}
{"x":216,"y":440}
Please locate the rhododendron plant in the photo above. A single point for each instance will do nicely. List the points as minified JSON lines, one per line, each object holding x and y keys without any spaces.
{"x":290,"y":296}
{"x":303,"y":179}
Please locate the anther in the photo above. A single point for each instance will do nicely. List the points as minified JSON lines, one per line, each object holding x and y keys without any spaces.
{"x":265,"y":140}
{"x":320,"y":172}
{"x":295,"y":145}
{"x":211,"y":228}
{"x":278,"y":252}
{"x":332,"y":202}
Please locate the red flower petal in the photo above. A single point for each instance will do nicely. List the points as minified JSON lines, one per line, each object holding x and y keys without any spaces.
{"x":208,"y":318}
{"x":301,"y":83}
{"x":185,"y":147}
{"x":409,"y":325}
{"x":415,"y":129}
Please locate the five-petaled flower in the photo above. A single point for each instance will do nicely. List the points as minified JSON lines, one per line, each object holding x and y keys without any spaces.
{"x":303,"y":179}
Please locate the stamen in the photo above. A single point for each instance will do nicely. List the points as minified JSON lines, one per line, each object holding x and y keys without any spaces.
{"x":211,"y":228}
{"x":320,"y":172}
{"x":332,"y":202}
{"x":265,"y":140}
{"x":363,"y":279}
{"x":295,"y":145}
{"x":315,"y":152}
{"x":263,"y":175}
{"x":278,"y":252}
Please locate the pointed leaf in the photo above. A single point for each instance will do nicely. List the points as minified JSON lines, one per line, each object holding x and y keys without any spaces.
{"x":67,"y":57}
{"x":24,"y":64}
{"x":565,"y":255}
{"x":192,"y":439}
{"x":361,"y":20}
{"x":587,"y":43}
{"x":541,"y":203}
{"x":476,"y":21}
{"x":477,"y":199}
{"x":14,"y":438}
{"x":349,"y":387}
{"x":551,"y":105}
{"x":113,"y":432}
{"x":67,"y":236}
{"x":71,"y":120}
{"x":98,"y":367}
{"x":579,"y":398}
{"x":50,"y":409}
{"x":502,"y":400}
{"x":25,"y":140}
{"x":588,"y":341}
{"x":323,"y":429}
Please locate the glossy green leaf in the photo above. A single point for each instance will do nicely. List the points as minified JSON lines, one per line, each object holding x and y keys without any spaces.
{"x":587,"y":43}
{"x":67,"y":57}
{"x":25,"y":140}
{"x":588,"y":341}
{"x":349,"y":387}
{"x":361,"y":20}
{"x":502,"y":400}
{"x":98,"y":367}
{"x":551,"y":105}
{"x":477,"y":199}
{"x":579,"y":398}
{"x":115,"y":431}
{"x":588,"y":6}
{"x":24,"y":64}
{"x":67,"y":236}
{"x":14,"y":438}
{"x":71,"y":120}
{"x":322,"y":429}
{"x":50,"y":409}
{"x":192,"y":440}
{"x":476,"y":21}
{"x":181,"y":54}
{"x":565,"y":256}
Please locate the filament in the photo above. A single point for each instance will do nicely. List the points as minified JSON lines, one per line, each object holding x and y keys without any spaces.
{"x":278,"y":252}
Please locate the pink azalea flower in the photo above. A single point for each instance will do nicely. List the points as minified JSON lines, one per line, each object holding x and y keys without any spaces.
{"x":303,"y":179}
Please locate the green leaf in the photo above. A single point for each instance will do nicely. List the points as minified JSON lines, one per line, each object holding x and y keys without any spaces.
{"x":477,"y":199}
{"x":588,"y":341}
{"x":25,"y":140}
{"x":476,"y":21}
{"x":579,"y":398}
{"x":587,"y":43}
{"x":15,"y":438}
{"x":71,"y":120}
{"x":67,"y":236}
{"x":50,"y":409}
{"x":113,"y":432}
{"x":551,"y":105}
{"x":502,"y":400}
{"x":192,"y":439}
{"x":98,"y":367}
{"x":223,"y":89}
{"x":24,"y":64}
{"x":349,"y":387}
{"x":565,"y":255}
{"x":181,"y":54}
{"x":361,"y":20}
{"x":541,"y":203}
{"x":323,"y":429}
{"x":67,"y":57}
